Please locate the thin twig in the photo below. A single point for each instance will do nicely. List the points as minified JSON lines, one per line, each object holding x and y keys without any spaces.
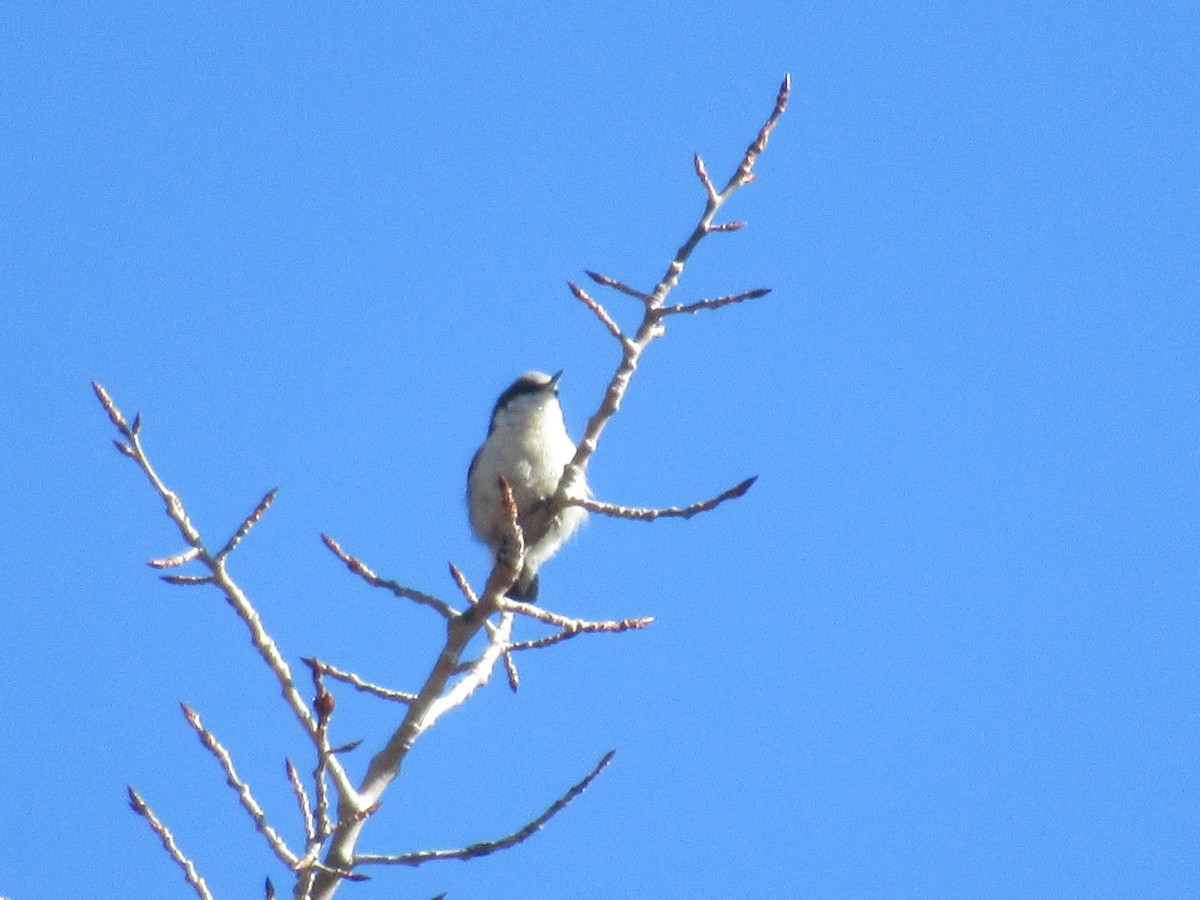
{"x":463,"y":585}
{"x":510,"y":669}
{"x":601,"y":313}
{"x":715,"y":303}
{"x":642,"y":514}
{"x":358,"y":683}
{"x":188,"y":579}
{"x":569,"y":624}
{"x":702,"y":174}
{"x":139,"y":806}
{"x":252,"y":807}
{"x":324,"y":703}
{"x":743,"y":174}
{"x":361,"y":569}
{"x":485,"y":848}
{"x":514,"y":557}
{"x":548,"y":641}
{"x":306,"y":814}
{"x":619,"y":286}
{"x":178,"y":559}
{"x":249,"y":522}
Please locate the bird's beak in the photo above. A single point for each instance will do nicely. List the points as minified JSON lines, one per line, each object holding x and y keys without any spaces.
{"x":554,"y":380}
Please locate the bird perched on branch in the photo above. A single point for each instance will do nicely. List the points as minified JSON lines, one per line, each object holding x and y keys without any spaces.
{"x":527,"y":444}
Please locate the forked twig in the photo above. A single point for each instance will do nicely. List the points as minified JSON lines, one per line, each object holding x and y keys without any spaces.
{"x":219,"y":576}
{"x":651,"y":326}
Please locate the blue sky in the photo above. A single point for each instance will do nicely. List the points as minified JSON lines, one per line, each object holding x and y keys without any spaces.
{"x":947,"y":646}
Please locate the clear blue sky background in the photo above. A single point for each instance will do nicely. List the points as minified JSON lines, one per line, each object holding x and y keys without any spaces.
{"x":946,"y":647}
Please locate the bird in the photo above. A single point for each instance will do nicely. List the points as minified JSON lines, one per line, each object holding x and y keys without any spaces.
{"x":527,"y":444}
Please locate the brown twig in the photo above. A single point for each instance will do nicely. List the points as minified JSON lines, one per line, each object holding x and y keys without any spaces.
{"x":715,"y":303}
{"x":361,"y":569}
{"x":188,"y":579}
{"x":485,"y":848}
{"x":618,"y":286}
{"x":249,"y":522}
{"x":142,"y":808}
{"x":510,"y":669}
{"x":538,"y":643}
{"x":463,"y":585}
{"x":642,"y":514}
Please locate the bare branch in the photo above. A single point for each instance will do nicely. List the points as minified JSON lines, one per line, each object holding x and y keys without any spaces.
{"x":485,"y":848}
{"x":619,"y":286}
{"x":361,"y":569}
{"x":715,"y":303}
{"x":358,"y":683}
{"x":651,"y":326}
{"x":475,"y":677}
{"x":601,"y":313}
{"x":674,"y":512}
{"x":267,"y":649}
{"x":727,"y":226}
{"x":249,"y":522}
{"x":252,"y":807}
{"x":139,"y":806}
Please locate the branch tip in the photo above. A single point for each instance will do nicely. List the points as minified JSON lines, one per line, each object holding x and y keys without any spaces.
{"x":702,"y":174}
{"x":110,"y":407}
